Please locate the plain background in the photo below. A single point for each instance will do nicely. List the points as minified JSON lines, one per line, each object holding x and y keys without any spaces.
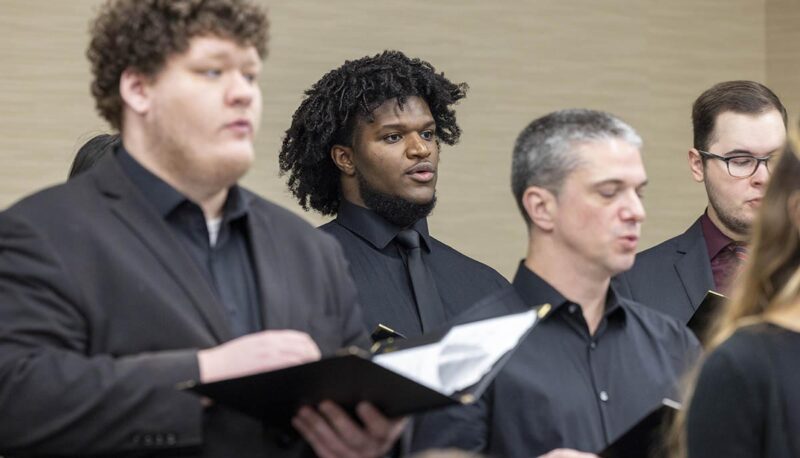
{"x":644,"y":60}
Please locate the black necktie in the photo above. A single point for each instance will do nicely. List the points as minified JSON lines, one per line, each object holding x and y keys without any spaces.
{"x":429,"y":304}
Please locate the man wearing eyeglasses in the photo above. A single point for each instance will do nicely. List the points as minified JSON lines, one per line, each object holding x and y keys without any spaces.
{"x":739,"y":128}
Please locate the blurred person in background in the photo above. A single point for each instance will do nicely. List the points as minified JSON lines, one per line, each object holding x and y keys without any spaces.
{"x":93,"y":151}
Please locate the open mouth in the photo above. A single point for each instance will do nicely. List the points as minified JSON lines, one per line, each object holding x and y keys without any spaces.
{"x":242,"y":127}
{"x":423,"y":172}
{"x":629,"y":241}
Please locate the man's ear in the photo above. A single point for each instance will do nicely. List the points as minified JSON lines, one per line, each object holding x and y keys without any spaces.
{"x":343,"y":158}
{"x":540,"y":205}
{"x":696,"y":165}
{"x":134,"y":89}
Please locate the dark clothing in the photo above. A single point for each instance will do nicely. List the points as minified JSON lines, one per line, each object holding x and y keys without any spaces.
{"x":724,"y":262}
{"x":564,"y":387}
{"x":716,"y":241}
{"x":226,"y":265}
{"x":747,"y":399}
{"x":672,"y":277}
{"x":102,"y":312}
{"x":378,"y":267}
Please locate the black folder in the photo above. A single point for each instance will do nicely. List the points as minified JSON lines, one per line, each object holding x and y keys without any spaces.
{"x":704,"y":317}
{"x":647,"y":437}
{"x":346,"y":379}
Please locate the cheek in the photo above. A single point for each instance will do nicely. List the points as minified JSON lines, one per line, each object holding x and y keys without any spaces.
{"x":582,"y":224}
{"x":185,"y":112}
{"x":257,"y":108}
{"x":380,"y":163}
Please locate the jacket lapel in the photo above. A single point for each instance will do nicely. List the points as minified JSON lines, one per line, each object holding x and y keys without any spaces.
{"x":144,"y":222}
{"x":693,"y":265}
{"x":269,"y":257}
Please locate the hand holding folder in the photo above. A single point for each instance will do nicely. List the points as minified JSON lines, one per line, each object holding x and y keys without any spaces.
{"x":409,"y":376}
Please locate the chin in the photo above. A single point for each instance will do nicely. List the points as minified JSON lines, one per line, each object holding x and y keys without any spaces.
{"x":622,"y":265}
{"x":229,"y":170}
{"x":419,"y":200}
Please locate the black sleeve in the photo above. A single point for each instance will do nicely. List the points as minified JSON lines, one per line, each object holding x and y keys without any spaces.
{"x":726,"y":410}
{"x":56,"y":396}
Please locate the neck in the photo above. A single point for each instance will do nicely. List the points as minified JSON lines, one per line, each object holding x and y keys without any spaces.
{"x":571,"y":276}
{"x":210,"y":199}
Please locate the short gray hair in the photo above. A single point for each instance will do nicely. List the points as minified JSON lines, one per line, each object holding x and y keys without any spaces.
{"x":544,"y":153}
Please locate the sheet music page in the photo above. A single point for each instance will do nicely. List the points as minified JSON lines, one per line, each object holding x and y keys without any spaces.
{"x":463,"y":356}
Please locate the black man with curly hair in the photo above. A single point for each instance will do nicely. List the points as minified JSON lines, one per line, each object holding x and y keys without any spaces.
{"x":364,"y":146}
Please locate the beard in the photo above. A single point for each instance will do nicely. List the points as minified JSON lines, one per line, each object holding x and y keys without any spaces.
{"x":734,"y":223}
{"x":394,"y":209}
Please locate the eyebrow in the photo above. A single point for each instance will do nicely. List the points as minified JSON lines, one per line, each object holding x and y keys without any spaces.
{"x":228,"y":58}
{"x":401,"y":126}
{"x":617,"y":181}
{"x":744,"y":152}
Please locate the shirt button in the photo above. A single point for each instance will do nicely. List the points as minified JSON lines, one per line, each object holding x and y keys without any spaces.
{"x":171,"y":439}
{"x":573,"y":308}
{"x":593,"y":345}
{"x":603,"y":396}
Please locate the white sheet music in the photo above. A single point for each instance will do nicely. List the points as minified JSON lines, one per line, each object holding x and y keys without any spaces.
{"x":463,"y":356}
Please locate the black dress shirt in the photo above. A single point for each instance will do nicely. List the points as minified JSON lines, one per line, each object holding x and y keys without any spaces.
{"x":747,"y":399}
{"x":566,"y":388}
{"x":378,"y":268}
{"x":227,"y":265}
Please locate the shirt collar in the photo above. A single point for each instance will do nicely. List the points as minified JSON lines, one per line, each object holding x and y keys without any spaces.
{"x":375,"y":229}
{"x":716,"y":241}
{"x":535,"y":291}
{"x":165,"y":198}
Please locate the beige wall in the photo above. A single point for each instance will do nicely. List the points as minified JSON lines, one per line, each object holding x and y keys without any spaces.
{"x":783,"y":51}
{"x":643,"y":60}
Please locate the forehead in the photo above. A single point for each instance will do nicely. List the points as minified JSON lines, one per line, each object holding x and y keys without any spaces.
{"x":216,"y":48}
{"x":760,"y":133}
{"x":414,"y":110}
{"x":609,"y":160}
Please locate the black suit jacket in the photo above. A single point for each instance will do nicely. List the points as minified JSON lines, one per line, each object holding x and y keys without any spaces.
{"x":102,"y":313}
{"x":672,"y":277}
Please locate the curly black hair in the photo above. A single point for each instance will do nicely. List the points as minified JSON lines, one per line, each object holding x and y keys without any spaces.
{"x":328,"y":114}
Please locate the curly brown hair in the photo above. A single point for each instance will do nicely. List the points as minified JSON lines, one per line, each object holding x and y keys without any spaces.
{"x":142,"y":34}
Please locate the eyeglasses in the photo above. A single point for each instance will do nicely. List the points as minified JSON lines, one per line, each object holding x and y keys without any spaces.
{"x":742,"y":166}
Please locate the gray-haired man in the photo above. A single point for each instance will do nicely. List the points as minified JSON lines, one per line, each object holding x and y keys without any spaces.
{"x":596,"y":363}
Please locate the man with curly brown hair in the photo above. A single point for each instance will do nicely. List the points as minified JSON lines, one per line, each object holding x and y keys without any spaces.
{"x":155,"y":267}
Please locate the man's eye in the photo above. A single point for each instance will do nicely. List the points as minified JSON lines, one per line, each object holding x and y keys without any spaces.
{"x":211,"y":72}
{"x":392,"y":138}
{"x":250,"y":77}
{"x":428,"y":135}
{"x":742,"y":161}
{"x":607,"y":192}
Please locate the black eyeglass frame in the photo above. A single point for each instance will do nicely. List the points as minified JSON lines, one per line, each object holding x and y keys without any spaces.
{"x":727,"y":160}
